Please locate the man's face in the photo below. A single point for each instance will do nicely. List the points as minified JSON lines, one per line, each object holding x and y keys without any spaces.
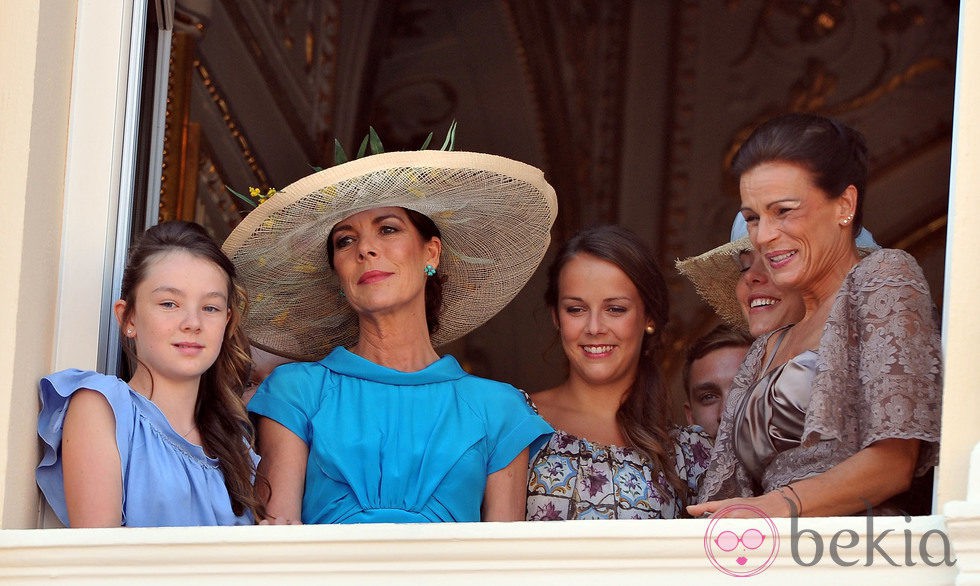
{"x":710,"y":382}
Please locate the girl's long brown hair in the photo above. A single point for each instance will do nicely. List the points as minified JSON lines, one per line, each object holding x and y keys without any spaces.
{"x":644,"y":415}
{"x":226,"y":432}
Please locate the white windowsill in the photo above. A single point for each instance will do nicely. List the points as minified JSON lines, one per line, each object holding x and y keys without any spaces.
{"x":581,"y":551}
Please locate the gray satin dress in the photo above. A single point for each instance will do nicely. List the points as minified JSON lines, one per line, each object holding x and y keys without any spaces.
{"x":770,"y":419}
{"x":878,"y":376}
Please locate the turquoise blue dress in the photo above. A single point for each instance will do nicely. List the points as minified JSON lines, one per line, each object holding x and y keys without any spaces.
{"x":167,"y":480}
{"x":397,"y":447}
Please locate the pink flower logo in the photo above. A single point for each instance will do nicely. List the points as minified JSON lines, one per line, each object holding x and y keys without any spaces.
{"x":741,"y":547}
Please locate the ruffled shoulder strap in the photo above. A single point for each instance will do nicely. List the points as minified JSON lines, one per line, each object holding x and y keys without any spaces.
{"x":55,"y":392}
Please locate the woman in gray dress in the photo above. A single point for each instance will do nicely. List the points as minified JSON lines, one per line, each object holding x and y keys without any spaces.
{"x":839,"y":412}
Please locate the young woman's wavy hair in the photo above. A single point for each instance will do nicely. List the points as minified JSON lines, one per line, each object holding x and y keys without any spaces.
{"x":226,"y":432}
{"x":644,"y":415}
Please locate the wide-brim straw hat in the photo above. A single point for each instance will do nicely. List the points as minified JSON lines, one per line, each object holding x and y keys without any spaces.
{"x":494,"y":215}
{"x":715,"y":273}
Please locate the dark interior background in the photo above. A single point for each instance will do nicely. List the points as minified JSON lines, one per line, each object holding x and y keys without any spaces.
{"x":632,"y":108}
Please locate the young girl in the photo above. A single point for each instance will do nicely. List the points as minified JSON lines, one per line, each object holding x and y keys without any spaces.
{"x":172,"y":446}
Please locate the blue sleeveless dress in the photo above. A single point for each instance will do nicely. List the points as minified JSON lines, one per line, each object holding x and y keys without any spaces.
{"x":397,"y":447}
{"x":167,"y":481}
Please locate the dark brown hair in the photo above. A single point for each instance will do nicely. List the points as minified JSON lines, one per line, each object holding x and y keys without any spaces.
{"x":433,"y":285}
{"x":723,"y":336}
{"x":226,"y":432}
{"x":643,"y":417}
{"x":836,"y":155}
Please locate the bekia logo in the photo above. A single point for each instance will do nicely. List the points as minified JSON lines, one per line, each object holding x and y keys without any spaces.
{"x":743,"y":541}
{"x":741,"y":547}
{"x":847,"y":542}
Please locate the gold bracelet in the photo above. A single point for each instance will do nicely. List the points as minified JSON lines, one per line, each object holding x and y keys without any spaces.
{"x":795,"y":494}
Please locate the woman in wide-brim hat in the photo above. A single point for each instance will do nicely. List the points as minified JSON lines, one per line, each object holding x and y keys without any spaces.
{"x":374,"y":263}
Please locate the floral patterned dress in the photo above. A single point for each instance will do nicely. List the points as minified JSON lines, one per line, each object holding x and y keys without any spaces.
{"x":573,"y":478}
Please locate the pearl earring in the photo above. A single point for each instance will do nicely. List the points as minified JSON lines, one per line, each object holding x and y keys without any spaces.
{"x":429,"y":270}
{"x":649,"y":330}
{"x":129,"y":332}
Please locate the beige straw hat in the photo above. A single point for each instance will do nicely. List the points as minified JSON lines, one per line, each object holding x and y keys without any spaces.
{"x":494,"y":214}
{"x":715,"y":273}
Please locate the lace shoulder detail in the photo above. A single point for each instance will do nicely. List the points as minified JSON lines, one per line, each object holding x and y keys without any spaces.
{"x":879,"y":372}
{"x":888,"y":267}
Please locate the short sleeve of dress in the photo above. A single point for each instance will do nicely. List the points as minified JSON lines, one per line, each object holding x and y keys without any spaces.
{"x":55,"y":392}
{"x":290,"y":396}
{"x":167,"y":481}
{"x":512,"y":425}
{"x":886,"y":332}
{"x":693,"y":452}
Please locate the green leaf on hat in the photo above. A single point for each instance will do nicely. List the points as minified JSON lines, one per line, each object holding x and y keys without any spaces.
{"x":371,"y":140}
{"x":376,"y":148}
{"x":244,"y":198}
{"x":450,"y":141}
{"x":339,"y":155}
{"x":364,"y":145}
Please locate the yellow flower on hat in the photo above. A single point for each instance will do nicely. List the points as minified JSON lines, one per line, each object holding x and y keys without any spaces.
{"x":280,"y":319}
{"x":268,"y":194}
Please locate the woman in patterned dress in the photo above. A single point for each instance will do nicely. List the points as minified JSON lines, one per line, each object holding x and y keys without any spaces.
{"x":614,"y":454}
{"x":836,"y":414}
